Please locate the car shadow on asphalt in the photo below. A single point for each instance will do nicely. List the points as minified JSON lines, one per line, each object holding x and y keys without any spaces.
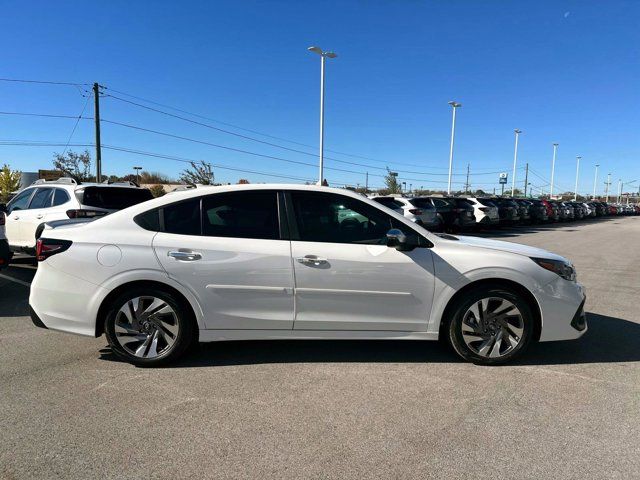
{"x":608,"y":340}
{"x":519,"y":230}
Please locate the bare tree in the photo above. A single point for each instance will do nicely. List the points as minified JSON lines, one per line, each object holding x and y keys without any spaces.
{"x":74,"y":165}
{"x":200,"y":173}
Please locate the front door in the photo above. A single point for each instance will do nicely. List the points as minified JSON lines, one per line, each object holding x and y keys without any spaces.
{"x":16,"y":210}
{"x":227,"y":249}
{"x":346,"y":276}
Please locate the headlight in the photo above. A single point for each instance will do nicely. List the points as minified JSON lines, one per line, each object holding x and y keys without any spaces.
{"x":564,"y":269}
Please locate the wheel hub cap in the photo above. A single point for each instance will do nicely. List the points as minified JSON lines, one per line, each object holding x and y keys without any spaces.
{"x":146,"y":327}
{"x":492,"y":327}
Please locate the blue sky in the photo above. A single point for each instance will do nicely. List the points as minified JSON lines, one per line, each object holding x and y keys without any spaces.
{"x":561,"y":71}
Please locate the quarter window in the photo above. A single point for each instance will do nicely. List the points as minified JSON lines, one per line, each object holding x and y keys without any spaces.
{"x":41,"y":199}
{"x":60,"y":197}
{"x":326,"y":217}
{"x":241,"y":215}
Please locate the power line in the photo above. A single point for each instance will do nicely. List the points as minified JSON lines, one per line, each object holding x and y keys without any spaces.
{"x":268,"y":136}
{"x":76,"y":125}
{"x":46,"y":82}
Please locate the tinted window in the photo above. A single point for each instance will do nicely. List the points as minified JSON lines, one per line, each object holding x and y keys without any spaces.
{"x":21,"y":200}
{"x":326,"y":217}
{"x":182,"y":218}
{"x":486,"y":203}
{"x":114,"y":198}
{"x":149,"y":220}
{"x":438,"y":202}
{"x":241,"y":215}
{"x":389,"y":202}
{"x":41,"y":199}
{"x":60,"y":197}
{"x":423,"y":203}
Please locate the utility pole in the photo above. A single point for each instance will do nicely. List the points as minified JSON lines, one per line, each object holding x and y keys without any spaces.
{"x":526,"y":178}
{"x":96,"y":115}
{"x":467,"y":187}
{"x":366,"y":182}
{"x":575,"y":192}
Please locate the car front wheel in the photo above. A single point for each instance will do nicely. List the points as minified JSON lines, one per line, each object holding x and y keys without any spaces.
{"x":149,"y":327}
{"x":491,"y":326}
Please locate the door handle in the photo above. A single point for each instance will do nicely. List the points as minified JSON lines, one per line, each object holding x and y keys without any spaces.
{"x":185,"y":256}
{"x":16,"y":217}
{"x":312,"y":260}
{"x":39,"y":216}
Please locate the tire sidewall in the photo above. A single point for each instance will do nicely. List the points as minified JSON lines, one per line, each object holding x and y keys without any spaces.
{"x":454,"y":327}
{"x":183,"y":315}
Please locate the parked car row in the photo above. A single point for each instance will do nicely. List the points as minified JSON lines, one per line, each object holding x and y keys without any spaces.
{"x":453,"y":214}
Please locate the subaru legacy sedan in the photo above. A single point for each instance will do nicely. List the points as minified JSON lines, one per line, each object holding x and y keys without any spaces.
{"x":251,"y":262}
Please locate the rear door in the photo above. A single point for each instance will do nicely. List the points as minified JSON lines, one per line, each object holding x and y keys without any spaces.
{"x":228,"y":250}
{"x":346,"y":276}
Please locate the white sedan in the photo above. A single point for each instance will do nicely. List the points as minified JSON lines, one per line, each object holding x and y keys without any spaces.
{"x":257,"y":262}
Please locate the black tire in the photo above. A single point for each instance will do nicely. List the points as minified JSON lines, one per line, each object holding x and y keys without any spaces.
{"x":453,"y":325}
{"x":183,"y":318}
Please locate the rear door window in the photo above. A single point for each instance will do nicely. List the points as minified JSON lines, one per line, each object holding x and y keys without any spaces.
{"x":113,"y":198}
{"x":182,"y":218}
{"x":241,"y":215}
{"x":41,"y":199}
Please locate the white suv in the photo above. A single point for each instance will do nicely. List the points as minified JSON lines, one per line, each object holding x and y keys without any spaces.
{"x":62,"y":199}
{"x":423,"y":215}
{"x":485,"y":211}
{"x":243,"y":262}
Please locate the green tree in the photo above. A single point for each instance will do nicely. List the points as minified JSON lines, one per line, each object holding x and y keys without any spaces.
{"x":9,"y":182}
{"x":74,"y":165}
{"x":391,"y":181}
{"x":200,"y":173}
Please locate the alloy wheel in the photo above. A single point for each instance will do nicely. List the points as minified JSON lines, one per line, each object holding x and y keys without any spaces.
{"x":146,"y":327}
{"x":492,"y":327}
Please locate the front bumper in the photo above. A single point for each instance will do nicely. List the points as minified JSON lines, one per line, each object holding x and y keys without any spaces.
{"x":562,"y":307}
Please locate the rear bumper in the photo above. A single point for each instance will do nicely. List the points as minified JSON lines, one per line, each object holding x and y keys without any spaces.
{"x":64,"y":302}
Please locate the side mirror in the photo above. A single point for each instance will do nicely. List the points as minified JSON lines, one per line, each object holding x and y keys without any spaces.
{"x":3,"y":207}
{"x":397,"y":239}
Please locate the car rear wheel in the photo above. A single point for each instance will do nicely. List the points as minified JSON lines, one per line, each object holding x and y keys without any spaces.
{"x":491,"y":326}
{"x":149,"y":327}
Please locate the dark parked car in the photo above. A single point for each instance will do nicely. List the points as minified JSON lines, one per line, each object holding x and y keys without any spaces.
{"x":523,"y":210}
{"x":454,"y":214}
{"x":579,"y":212}
{"x":508,"y":210}
{"x":5,"y":254}
{"x":538,"y":211}
{"x":552,"y":211}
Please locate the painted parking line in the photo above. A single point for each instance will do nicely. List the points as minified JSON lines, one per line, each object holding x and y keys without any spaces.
{"x":15,"y":280}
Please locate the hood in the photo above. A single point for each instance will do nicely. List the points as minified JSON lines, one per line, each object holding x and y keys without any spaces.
{"x":517,"y":248}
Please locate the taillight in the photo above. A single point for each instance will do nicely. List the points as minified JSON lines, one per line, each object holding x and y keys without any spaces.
{"x":415,"y":211}
{"x":85,"y":213}
{"x":47,"y":247}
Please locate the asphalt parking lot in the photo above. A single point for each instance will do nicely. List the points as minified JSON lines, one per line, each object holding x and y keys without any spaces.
{"x":69,"y":409}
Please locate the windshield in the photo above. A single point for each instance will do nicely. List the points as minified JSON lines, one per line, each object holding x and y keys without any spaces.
{"x":113,"y":198}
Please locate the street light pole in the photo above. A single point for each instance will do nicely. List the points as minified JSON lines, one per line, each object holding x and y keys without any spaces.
{"x":323,"y":55}
{"x":553,"y":168}
{"x":575,"y":192}
{"x":137,"y":169}
{"x":595,"y":182}
{"x":515,"y":161}
{"x":454,"y":106}
{"x":606,"y":190}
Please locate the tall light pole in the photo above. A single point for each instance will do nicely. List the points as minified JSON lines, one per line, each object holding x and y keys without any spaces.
{"x":575,"y":192}
{"x":619,"y":190}
{"x":515,"y":161}
{"x":553,"y":168}
{"x":454,"y":106}
{"x":606,"y":190}
{"x":323,"y":55}
{"x":137,"y":169}
{"x":595,"y":182}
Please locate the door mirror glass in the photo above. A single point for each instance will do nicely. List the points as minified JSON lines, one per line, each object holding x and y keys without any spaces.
{"x":397,"y":239}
